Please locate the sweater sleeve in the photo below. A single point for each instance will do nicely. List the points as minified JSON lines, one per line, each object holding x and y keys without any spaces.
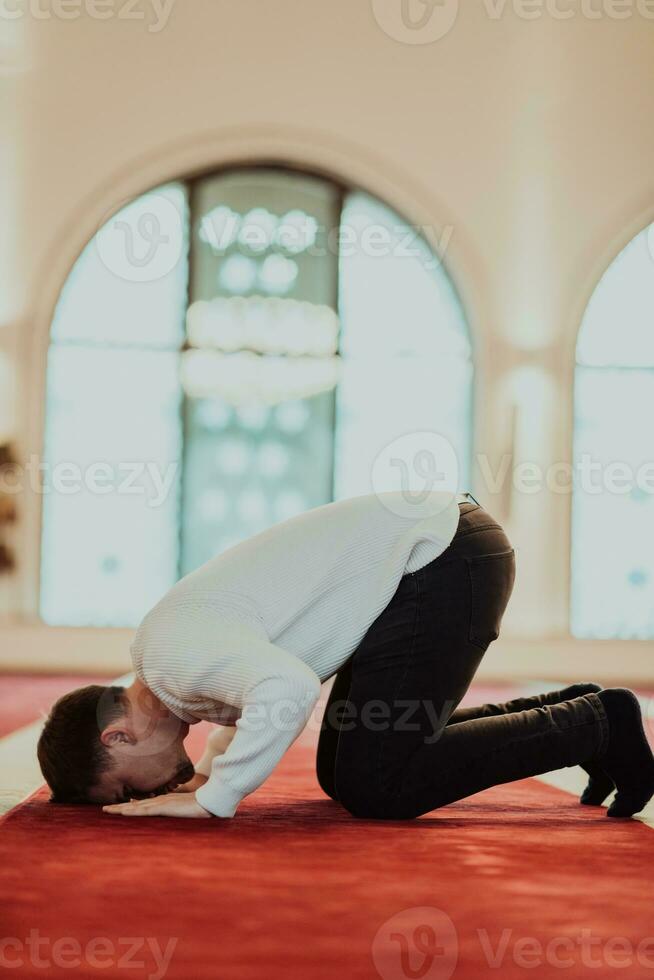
{"x":275,"y":709}
{"x":208,"y":663}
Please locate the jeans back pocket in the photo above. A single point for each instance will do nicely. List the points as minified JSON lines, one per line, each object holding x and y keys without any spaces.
{"x":491,"y":585}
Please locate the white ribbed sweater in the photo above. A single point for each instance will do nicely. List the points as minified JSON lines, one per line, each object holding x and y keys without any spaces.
{"x":248,"y":638}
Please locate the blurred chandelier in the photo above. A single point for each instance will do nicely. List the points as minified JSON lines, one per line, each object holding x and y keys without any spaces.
{"x":260,"y":349}
{"x":258,"y":230}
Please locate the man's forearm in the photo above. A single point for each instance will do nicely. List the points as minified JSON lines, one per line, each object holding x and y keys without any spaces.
{"x":217,"y":743}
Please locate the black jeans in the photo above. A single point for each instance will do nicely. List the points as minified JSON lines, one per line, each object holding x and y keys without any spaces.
{"x":393,"y":744}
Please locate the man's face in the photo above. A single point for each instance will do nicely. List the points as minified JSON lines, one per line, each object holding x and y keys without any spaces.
{"x":147,"y":757}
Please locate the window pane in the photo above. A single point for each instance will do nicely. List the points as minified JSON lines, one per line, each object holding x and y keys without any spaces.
{"x":613,"y":532}
{"x":395,"y":296}
{"x":617,"y":326}
{"x":249,"y":466}
{"x":254,"y":457}
{"x":405,"y":343}
{"x":128,"y":286}
{"x":113,"y":421}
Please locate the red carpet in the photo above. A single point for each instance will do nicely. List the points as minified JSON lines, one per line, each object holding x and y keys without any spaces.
{"x":295,"y":888}
{"x":25,"y":697}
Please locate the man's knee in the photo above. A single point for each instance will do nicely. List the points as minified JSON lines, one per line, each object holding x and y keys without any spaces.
{"x":326,"y":783}
{"x":368,"y":805}
{"x":373,"y":812}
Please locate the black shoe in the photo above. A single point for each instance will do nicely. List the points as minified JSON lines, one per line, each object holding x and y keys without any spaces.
{"x":628,"y":759}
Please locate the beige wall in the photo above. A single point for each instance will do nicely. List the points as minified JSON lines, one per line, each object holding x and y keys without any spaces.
{"x":531,"y":138}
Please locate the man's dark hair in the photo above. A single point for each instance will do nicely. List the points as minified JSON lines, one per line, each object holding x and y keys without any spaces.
{"x":70,"y":752}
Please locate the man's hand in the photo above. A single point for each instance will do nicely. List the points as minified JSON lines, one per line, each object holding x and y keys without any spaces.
{"x":168,"y":805}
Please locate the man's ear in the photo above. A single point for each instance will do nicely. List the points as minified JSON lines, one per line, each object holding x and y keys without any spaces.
{"x":117,"y":734}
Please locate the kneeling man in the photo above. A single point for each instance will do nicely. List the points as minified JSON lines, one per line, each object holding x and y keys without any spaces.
{"x":399,"y":599}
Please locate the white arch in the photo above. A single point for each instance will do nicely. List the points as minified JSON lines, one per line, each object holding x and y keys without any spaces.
{"x":319,"y":152}
{"x":597,"y":261}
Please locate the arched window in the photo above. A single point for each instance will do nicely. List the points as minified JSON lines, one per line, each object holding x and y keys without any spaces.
{"x":613,"y":502}
{"x":225,"y":353}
